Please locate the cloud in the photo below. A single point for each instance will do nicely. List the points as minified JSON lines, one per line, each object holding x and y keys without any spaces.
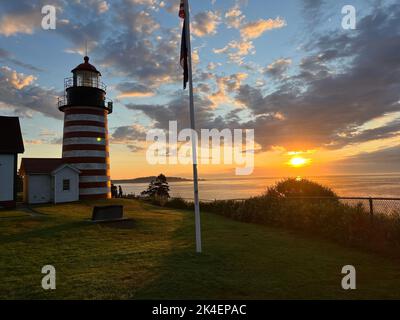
{"x":205,"y":23}
{"x":135,"y":148}
{"x":20,"y":17}
{"x":143,"y":23}
{"x":234,"y":17}
{"x":128,"y":133}
{"x":150,"y":4}
{"x":18,"y":92}
{"x":320,"y":106}
{"x":24,"y":16}
{"x":252,"y":30}
{"x":88,"y":31}
{"x":278,"y":68}
{"x":7,"y":57}
{"x":226,"y":86}
{"x":383,"y":156}
{"x":212,"y":66}
{"x":151,"y":64}
{"x":144,"y":2}
{"x":171,"y":6}
{"x":237,"y":50}
{"x":322,"y":101}
{"x":132,"y":89}
{"x":16,"y":80}
{"x":102,"y":7}
{"x":312,"y":4}
{"x":45,"y":137}
{"x":386,"y":160}
{"x":135,"y":52}
{"x":313,"y":12}
{"x":78,"y":21}
{"x":389,"y":130}
{"x":133,"y":137}
{"x":11,"y":25}
{"x":177,"y":110}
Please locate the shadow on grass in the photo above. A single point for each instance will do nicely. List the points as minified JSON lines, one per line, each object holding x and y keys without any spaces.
{"x":185,"y":274}
{"x":124,"y":224}
{"x":48,"y":232}
{"x":246,"y":261}
{"x":13,"y":217}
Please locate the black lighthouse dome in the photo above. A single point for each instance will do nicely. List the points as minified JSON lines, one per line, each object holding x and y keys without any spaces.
{"x":85,"y":88}
{"x":86,"y":66}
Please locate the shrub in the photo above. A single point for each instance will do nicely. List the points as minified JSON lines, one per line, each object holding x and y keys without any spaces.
{"x":178,"y":203}
{"x":299,"y":188}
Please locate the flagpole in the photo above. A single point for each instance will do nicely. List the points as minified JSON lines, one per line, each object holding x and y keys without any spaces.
{"x":193,"y":127}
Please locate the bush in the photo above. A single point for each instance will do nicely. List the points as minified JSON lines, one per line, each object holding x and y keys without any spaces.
{"x":299,"y":188}
{"x":178,"y":203}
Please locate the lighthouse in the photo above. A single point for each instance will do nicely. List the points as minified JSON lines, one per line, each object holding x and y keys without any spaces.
{"x":85,"y":138}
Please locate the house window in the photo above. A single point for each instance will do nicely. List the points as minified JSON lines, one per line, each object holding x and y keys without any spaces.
{"x":66,"y":185}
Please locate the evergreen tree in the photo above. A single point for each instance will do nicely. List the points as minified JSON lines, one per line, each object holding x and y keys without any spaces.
{"x":158,"y":188}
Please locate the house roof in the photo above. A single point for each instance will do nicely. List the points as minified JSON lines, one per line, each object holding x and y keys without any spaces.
{"x":10,"y":135}
{"x":65,"y":165}
{"x":39,"y":165}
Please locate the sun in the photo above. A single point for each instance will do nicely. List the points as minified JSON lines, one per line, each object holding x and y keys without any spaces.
{"x":298,"y":162}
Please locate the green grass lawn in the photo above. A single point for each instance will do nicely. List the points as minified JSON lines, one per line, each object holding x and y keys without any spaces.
{"x":153,"y":257}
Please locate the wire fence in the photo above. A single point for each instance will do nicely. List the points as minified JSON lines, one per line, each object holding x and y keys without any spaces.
{"x":372,"y":205}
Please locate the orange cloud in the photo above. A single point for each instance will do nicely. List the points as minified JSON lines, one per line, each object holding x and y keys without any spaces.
{"x":237,"y":50}
{"x":136,"y":94}
{"x":234,"y":17}
{"x":17,"y":80}
{"x":255,"y":29}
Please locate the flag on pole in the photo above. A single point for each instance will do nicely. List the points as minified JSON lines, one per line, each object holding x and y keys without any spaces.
{"x":186,"y":63}
{"x":184,"y":49}
{"x":182,"y":10}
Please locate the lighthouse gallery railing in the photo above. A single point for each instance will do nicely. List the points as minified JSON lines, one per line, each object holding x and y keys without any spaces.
{"x":84,"y":82}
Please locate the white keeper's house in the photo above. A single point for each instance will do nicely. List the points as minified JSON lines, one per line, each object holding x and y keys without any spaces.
{"x":11,"y":144}
{"x":83,"y":172}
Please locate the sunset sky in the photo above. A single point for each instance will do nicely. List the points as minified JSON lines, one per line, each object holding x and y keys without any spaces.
{"x":321,"y":99}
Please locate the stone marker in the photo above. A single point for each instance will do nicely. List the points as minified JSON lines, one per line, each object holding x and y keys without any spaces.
{"x":108,"y":213}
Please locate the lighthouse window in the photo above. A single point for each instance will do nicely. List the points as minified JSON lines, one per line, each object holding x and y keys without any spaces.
{"x":87,"y":79}
{"x":66,"y":185}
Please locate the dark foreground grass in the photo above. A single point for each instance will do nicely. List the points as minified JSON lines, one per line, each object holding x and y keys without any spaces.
{"x":153,"y":257}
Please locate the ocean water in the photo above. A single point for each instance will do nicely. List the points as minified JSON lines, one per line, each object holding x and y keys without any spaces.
{"x":222,"y":189}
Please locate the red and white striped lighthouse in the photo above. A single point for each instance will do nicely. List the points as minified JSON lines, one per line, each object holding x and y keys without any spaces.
{"x":85,"y":140}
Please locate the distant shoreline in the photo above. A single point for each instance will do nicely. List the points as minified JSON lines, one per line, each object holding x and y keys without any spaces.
{"x":150,"y":178}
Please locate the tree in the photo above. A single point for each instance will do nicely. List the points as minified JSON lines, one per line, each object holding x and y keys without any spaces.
{"x":158,"y":189}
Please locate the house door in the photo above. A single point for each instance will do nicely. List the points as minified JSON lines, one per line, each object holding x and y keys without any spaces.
{"x":7,"y":172}
{"x":39,"y":189}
